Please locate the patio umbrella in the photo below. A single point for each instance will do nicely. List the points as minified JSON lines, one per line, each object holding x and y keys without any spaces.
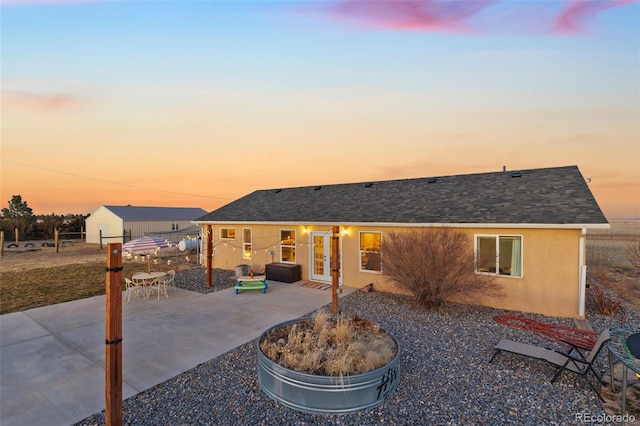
{"x":145,"y":245}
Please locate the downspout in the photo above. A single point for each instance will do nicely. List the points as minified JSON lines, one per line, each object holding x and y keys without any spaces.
{"x":582,"y":273}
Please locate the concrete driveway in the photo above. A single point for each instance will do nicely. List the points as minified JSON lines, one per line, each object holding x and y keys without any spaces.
{"x":52,"y":359}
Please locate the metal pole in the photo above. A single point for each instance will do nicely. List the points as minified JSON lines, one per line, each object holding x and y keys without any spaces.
{"x":113,"y":342}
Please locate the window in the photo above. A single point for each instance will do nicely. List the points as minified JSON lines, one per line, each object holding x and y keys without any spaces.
{"x":370,"y":251}
{"x":246,"y":243}
{"x":174,"y":226}
{"x":499,"y":254}
{"x":288,"y":245}
{"x":227,"y":233}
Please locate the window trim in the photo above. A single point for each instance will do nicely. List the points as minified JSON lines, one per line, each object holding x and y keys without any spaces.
{"x":227,"y":238}
{"x":497,"y":237}
{"x":361,"y":252}
{"x":289,"y":246}
{"x":246,"y":244}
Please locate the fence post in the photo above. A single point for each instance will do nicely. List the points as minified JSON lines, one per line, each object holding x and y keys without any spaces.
{"x":1,"y":243}
{"x":113,"y":360}
{"x":17,"y":235}
{"x":56,"y":239}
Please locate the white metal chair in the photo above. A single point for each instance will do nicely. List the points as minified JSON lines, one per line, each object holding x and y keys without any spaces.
{"x":159,"y":285}
{"x":134,"y":287}
{"x":171,"y":277}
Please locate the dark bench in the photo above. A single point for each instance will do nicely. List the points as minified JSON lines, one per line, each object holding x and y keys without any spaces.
{"x":283,"y":272}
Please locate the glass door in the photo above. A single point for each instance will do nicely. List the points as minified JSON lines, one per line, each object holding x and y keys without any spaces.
{"x":321,"y":256}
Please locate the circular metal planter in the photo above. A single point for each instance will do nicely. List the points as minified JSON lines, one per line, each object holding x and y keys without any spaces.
{"x":326,"y":394}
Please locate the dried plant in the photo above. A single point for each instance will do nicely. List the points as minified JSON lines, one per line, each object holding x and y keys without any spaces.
{"x":435,"y":264}
{"x":341,"y":347}
{"x":604,"y":302}
{"x":632,"y":253}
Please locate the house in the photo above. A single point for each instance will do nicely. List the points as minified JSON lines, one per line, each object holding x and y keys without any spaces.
{"x":113,"y":222}
{"x":532,"y":224}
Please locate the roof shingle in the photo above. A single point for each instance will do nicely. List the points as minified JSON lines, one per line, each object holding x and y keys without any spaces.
{"x":557,"y":195}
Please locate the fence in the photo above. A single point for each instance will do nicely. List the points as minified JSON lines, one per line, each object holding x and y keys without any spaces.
{"x":123,"y":237}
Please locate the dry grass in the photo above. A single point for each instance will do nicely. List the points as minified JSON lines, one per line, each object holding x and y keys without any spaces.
{"x":31,"y":279}
{"x":330,"y":347}
{"x":612,"y":258}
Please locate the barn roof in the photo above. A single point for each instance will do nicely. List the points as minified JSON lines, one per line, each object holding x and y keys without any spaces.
{"x":156,"y":213}
{"x":556,"y":195}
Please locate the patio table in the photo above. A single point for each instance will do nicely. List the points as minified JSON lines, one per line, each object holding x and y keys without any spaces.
{"x":257,"y":282}
{"x":623,"y":346}
{"x":147,"y":278}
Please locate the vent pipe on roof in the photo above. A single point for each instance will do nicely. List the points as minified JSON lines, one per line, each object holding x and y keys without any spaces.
{"x":504,"y":168}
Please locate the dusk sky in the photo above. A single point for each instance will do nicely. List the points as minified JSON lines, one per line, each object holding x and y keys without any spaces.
{"x":198,"y":103}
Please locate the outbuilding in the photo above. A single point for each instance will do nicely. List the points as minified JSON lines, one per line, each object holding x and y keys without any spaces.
{"x":113,"y":223}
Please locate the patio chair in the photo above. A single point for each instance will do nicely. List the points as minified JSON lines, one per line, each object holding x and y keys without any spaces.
{"x":171,"y":277}
{"x":574,"y":360}
{"x":159,"y":285}
{"x":134,"y":287}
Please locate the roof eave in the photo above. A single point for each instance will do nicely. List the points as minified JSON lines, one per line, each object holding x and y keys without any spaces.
{"x":419,"y":225}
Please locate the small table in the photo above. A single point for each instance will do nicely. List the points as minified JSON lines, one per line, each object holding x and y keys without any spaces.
{"x":257,"y":282}
{"x":147,"y":279}
{"x":623,"y":346}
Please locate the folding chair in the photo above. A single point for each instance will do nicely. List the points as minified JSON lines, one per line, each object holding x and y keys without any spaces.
{"x":572,"y":361}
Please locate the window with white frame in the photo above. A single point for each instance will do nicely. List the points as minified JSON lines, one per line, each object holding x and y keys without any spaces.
{"x":246,"y":243}
{"x":227,"y":233}
{"x":499,"y":255}
{"x":288,"y":245}
{"x":370,"y":251}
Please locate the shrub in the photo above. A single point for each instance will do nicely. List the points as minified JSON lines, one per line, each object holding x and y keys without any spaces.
{"x":435,"y":264}
{"x":632,"y":253}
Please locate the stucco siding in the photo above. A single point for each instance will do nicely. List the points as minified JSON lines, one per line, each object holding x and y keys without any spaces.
{"x":549,"y":284}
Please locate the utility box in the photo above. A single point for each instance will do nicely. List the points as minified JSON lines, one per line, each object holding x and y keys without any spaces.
{"x":284,"y":272}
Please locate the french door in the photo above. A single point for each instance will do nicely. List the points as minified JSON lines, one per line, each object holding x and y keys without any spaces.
{"x":321,"y":256}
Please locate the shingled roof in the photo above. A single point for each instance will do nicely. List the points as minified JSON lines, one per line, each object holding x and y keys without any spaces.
{"x":556,"y":195}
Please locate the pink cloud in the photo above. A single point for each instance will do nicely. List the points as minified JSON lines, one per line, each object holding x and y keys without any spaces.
{"x":420,"y":15}
{"x":465,"y":16}
{"x":40,"y":103}
{"x":573,"y":18}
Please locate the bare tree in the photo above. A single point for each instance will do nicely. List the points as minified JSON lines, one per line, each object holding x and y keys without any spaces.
{"x":435,"y":264}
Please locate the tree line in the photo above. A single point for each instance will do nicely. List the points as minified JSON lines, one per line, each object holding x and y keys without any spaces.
{"x":18,"y":215}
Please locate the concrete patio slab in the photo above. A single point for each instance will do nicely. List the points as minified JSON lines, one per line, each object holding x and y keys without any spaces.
{"x":52,"y":358}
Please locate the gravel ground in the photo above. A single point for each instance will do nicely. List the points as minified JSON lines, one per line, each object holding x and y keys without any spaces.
{"x":446,"y":378}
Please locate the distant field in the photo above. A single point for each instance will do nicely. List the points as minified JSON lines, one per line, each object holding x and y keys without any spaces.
{"x":620,"y":229}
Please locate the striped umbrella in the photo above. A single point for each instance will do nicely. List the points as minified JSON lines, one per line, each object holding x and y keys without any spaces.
{"x":145,"y":245}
